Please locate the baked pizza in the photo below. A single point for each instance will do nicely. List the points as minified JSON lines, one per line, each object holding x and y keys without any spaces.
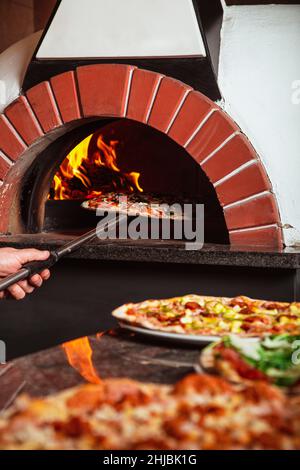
{"x":273,"y":359}
{"x":137,"y":204}
{"x":199,"y":412}
{"x":213,"y":316}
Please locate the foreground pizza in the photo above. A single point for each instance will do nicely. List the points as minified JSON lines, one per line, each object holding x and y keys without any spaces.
{"x":213,"y":316}
{"x":133,"y":204}
{"x":274,"y":359}
{"x":199,"y":412}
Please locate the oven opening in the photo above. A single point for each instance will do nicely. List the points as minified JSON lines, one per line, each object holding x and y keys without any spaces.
{"x":113,"y":156}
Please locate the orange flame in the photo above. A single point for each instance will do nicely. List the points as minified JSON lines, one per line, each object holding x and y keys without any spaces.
{"x":74,"y":178}
{"x":79,"y":354}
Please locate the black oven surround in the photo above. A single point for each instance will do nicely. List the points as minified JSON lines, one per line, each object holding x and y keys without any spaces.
{"x":198,"y":72}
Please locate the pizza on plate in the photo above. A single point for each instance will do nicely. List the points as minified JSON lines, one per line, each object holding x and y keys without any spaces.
{"x":273,"y":359}
{"x":199,"y":412}
{"x":213,"y":316}
{"x":141,"y":204}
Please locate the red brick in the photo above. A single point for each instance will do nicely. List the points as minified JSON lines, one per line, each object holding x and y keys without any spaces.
{"x":252,"y":180}
{"x":168,"y":98}
{"x":103,"y":89}
{"x":143,"y":86}
{"x":65,"y":92}
{"x":10,"y":142}
{"x":192,"y":113}
{"x":267,"y":236}
{"x":43,"y":103}
{"x":22,"y":117}
{"x":230,"y":157}
{"x":4,"y":167}
{"x":261,"y":210}
{"x":213,"y":133}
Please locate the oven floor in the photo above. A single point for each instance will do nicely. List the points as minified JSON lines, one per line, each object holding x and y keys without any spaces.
{"x":81,"y":294}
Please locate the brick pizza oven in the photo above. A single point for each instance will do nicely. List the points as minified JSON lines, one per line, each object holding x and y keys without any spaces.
{"x":67,"y":101}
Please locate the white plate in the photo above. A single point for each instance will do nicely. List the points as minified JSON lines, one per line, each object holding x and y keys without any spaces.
{"x":199,"y":340}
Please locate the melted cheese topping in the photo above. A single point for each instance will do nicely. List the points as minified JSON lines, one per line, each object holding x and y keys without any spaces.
{"x":199,"y":412}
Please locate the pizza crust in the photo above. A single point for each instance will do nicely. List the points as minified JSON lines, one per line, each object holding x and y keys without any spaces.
{"x":211,"y":365}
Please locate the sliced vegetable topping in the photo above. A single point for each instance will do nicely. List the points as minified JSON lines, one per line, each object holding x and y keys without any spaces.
{"x":273,"y":358}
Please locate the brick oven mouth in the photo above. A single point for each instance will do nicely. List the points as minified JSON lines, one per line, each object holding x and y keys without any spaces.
{"x":44,"y":124}
{"x":163,"y":166}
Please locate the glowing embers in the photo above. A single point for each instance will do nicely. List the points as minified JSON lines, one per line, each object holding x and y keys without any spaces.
{"x":91,"y":169}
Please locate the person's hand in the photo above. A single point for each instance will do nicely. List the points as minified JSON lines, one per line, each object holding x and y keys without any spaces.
{"x":11,"y":260}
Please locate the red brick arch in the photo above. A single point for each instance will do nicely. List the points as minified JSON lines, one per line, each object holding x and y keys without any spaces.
{"x":195,"y":122}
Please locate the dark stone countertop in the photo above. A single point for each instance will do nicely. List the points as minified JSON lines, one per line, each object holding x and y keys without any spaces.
{"x":115,"y":354}
{"x":164,"y":252}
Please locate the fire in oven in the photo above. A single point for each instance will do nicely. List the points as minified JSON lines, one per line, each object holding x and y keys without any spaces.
{"x":118,"y":166}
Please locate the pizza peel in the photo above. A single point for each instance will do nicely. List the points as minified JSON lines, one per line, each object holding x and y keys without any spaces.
{"x":35,"y":267}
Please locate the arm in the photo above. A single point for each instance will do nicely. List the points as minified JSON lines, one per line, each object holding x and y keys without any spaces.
{"x":11,"y":260}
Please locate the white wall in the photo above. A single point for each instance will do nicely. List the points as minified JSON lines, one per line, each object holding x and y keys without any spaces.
{"x":259,"y":63}
{"x":13,"y":65}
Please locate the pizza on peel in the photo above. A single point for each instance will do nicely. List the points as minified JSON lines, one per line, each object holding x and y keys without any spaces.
{"x":137,"y":204}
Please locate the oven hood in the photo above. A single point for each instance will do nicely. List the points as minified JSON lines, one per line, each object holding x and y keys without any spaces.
{"x":170,"y":37}
{"x":118,"y":28}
